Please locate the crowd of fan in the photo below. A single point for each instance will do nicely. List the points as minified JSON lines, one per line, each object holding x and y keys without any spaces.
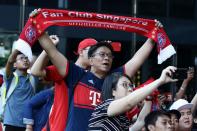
{"x":88,"y":94}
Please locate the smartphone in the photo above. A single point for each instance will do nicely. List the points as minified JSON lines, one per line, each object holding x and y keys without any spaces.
{"x":180,"y":74}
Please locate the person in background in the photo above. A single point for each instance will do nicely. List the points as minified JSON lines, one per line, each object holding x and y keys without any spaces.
{"x":37,"y":109}
{"x":158,"y":121}
{"x":175,"y":115}
{"x":182,"y":89}
{"x":58,"y":116}
{"x":19,"y":87}
{"x":186,"y":119}
{"x":82,"y":51}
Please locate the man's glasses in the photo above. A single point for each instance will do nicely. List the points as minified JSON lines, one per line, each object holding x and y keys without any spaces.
{"x":103,"y":55}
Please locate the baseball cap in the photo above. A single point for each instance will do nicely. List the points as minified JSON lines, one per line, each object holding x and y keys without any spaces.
{"x":23,"y":47}
{"x":85,"y":43}
{"x":175,"y":112}
{"x":181,"y":104}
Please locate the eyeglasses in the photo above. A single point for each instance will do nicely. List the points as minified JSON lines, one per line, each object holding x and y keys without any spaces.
{"x":103,"y":55}
{"x":128,"y":86}
{"x":22,"y":58}
{"x":107,"y":41}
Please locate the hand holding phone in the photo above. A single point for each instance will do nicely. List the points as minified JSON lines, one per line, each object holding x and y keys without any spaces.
{"x":180,"y":74}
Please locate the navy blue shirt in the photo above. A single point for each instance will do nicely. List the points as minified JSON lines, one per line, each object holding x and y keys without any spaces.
{"x":37,"y":109}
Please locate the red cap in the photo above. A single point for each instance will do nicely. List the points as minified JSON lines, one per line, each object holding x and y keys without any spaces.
{"x":85,"y":43}
{"x":116,"y":46}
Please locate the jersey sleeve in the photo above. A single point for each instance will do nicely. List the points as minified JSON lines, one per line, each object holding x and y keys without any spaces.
{"x":52,"y":74}
{"x":74,"y":75}
{"x":34,"y":103}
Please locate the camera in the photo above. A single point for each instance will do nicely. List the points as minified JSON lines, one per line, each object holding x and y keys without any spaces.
{"x":180,"y":73}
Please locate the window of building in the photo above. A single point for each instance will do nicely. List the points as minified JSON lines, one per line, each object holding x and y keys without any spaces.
{"x":116,"y":7}
{"x":43,"y":3}
{"x":6,"y":42}
{"x":152,"y":8}
{"x":182,"y":8}
{"x":10,"y":2}
{"x":83,"y":5}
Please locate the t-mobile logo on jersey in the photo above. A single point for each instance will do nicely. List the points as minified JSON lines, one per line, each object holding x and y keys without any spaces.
{"x":95,"y":97}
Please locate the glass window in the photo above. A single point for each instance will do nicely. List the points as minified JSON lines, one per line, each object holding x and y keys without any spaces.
{"x":122,"y":7}
{"x":152,"y":8}
{"x":43,"y":3}
{"x":83,"y":5}
{"x":182,"y":8}
{"x":6,"y":42}
{"x":10,"y":2}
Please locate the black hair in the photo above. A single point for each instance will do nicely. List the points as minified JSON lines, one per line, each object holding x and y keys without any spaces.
{"x":93,"y":48}
{"x":152,"y":117}
{"x":175,"y":112}
{"x":110,"y":83}
{"x":19,"y":53}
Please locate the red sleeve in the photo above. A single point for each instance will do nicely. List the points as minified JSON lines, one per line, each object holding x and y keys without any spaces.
{"x":52,"y":74}
{"x":130,"y":114}
{"x":1,"y":80}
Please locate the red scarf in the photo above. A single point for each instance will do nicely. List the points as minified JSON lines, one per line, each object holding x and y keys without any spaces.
{"x":154,"y":94}
{"x":35,"y":26}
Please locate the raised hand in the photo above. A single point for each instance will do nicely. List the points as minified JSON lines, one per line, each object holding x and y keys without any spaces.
{"x":190,"y":74}
{"x":55,"y":39}
{"x":166,"y":75}
{"x":35,"y":12}
{"x":158,"y":24}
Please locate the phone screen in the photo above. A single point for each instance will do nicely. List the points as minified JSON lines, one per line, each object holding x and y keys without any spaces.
{"x":180,"y":74}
